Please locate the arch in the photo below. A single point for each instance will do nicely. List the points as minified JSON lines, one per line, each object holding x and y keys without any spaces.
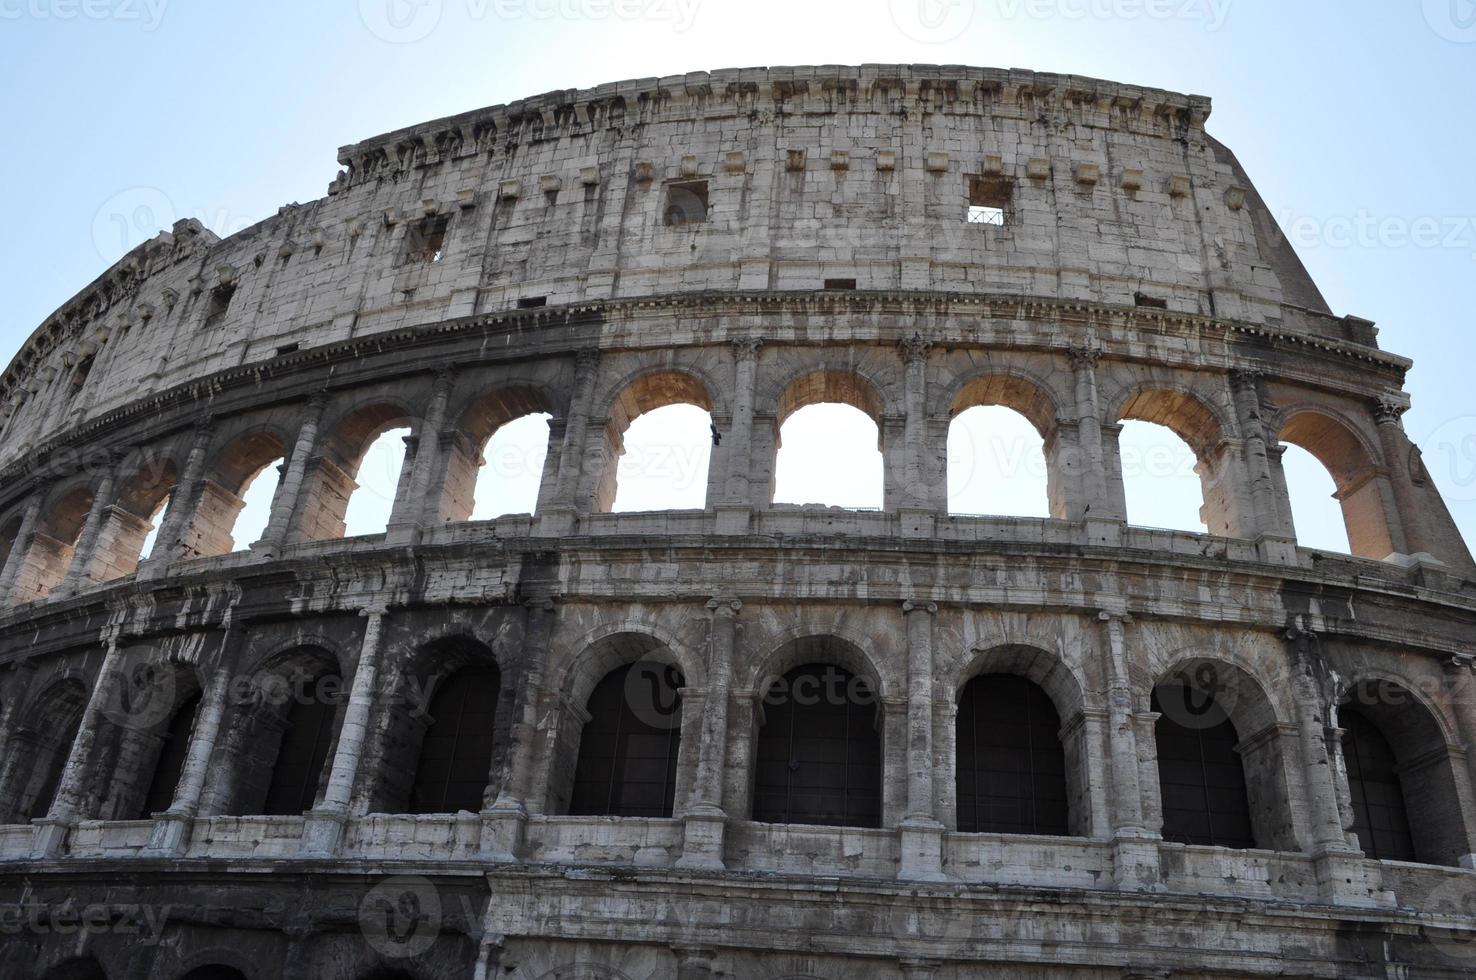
{"x":52,"y":545}
{"x":991,"y":451}
{"x":826,"y":386}
{"x":465,"y":471}
{"x":829,"y":643}
{"x":1008,"y":389}
{"x":1055,"y":680}
{"x":37,"y":751}
{"x":441,"y":730}
{"x":1179,"y":409}
{"x":657,"y":671}
{"x":646,"y":392}
{"x":1011,"y":765}
{"x":169,"y":763}
{"x":134,"y":515}
{"x":627,"y":762}
{"x":818,"y":753}
{"x":1355,"y":469}
{"x":283,"y":733}
{"x":1222,"y":758}
{"x":215,"y":526}
{"x":335,"y":480}
{"x":1380,"y":817}
{"x":1424,"y":786}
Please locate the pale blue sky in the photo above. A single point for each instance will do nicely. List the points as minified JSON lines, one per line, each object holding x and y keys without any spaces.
{"x":1353,"y":117}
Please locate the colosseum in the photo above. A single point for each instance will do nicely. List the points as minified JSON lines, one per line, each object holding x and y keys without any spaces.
{"x":747,"y":739}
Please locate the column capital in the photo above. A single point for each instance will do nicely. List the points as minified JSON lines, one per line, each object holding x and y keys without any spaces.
{"x":1114,"y":616}
{"x":1389,"y":408}
{"x":726,"y":606}
{"x":445,"y":376}
{"x":586,"y":358}
{"x":918,"y":605}
{"x":1458,"y":663}
{"x":539,"y":604}
{"x":914,"y":348}
{"x":1082,"y":358}
{"x":746,"y":347}
{"x":1245,"y":378}
{"x":317,"y":400}
{"x":373,"y":609}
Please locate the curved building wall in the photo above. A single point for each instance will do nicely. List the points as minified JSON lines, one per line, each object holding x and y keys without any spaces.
{"x":242,"y":753}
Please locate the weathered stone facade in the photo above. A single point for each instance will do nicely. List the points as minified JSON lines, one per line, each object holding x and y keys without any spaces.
{"x":750,"y":242}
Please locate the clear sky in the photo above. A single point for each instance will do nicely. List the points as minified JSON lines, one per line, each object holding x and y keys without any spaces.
{"x":1353,"y":117}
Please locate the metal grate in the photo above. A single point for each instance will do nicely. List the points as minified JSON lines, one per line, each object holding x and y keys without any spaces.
{"x":1202,"y":780}
{"x":1380,"y":818}
{"x":456,"y":753}
{"x":303,"y":750}
{"x":628,"y":759}
{"x":1011,"y":767}
{"x":171,"y":760}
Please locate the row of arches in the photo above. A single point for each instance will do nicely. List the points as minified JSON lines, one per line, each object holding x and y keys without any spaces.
{"x":1021,"y":757}
{"x":1174,"y":460}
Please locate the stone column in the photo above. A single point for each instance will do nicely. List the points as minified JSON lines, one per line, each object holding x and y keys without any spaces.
{"x":1135,"y":847}
{"x":82,"y":551}
{"x":559,"y":518}
{"x":921,"y":493}
{"x":735,"y":505}
{"x":1325,"y":824}
{"x":16,"y":692}
{"x":324,"y":827}
{"x":1388,"y":412}
{"x":503,"y":824}
{"x":1266,"y":511}
{"x":921,"y":831}
{"x":52,"y":829}
{"x":17,"y":557}
{"x":289,"y":487}
{"x":1103,"y":507}
{"x":420,"y":504}
{"x":1462,"y":690}
{"x":170,"y":832}
{"x":705,"y":818}
{"x":168,"y":546}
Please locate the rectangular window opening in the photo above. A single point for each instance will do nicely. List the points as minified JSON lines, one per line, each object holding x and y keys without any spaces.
{"x":1151,"y":302}
{"x":840,"y":284}
{"x":288,"y":349}
{"x":686,"y":203}
{"x":425,"y":240}
{"x":531,"y":302}
{"x":989,"y":200}
{"x":220,"y":301}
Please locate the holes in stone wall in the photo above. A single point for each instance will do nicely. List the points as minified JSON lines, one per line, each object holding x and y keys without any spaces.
{"x":996,"y":464}
{"x":989,"y":200}
{"x":425,"y":240}
{"x":219,"y":303}
{"x":685,"y":203}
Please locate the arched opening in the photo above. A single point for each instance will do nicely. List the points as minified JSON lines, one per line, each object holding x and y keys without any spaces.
{"x":9,"y":539}
{"x":37,"y":753}
{"x":657,"y":445}
{"x":1200,"y":774}
{"x":1401,"y":781}
{"x":627,"y":763}
{"x":129,"y":530}
{"x":235,"y":498}
{"x":498,"y":460}
{"x":1178,"y":471}
{"x":357,"y":478}
{"x":169,"y":763}
{"x":50,"y":555}
{"x":1379,"y":816}
{"x":1011,"y":771}
{"x":996,"y":464}
{"x":829,"y":443}
{"x":818,"y":757}
{"x":284,"y":735}
{"x":1358,"y":485}
{"x":1316,"y":514}
{"x":456,"y":750}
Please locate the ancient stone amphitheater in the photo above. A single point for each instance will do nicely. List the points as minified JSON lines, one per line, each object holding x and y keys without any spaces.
{"x":752,"y":740}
